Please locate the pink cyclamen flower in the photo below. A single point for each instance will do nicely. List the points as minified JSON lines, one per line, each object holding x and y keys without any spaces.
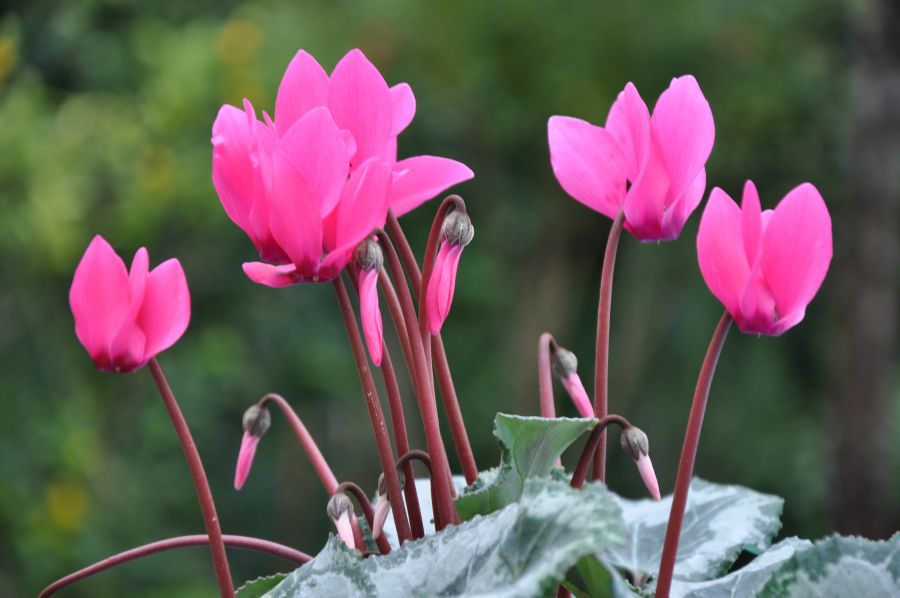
{"x":456,"y":232}
{"x":285,"y":182}
{"x":652,"y":167}
{"x":123,"y":318}
{"x":765,"y":266}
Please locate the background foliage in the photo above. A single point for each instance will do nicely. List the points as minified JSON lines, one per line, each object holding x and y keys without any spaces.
{"x":105,"y":114}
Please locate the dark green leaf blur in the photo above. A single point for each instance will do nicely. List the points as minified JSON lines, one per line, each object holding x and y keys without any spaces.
{"x":105,"y":115}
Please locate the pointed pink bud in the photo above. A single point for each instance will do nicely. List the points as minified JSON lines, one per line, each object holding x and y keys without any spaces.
{"x":645,"y":468}
{"x":382,"y":508}
{"x":371,"y":314}
{"x":456,"y":232}
{"x":575,"y":388}
{"x":340,"y":511}
{"x":245,"y":459}
{"x":345,"y":529}
{"x":125,"y":319}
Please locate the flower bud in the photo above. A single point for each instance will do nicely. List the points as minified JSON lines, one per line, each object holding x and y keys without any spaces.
{"x":635,"y":442}
{"x":457,"y":228}
{"x":369,"y":255}
{"x":564,"y":365}
{"x":339,"y":510}
{"x":257,"y":421}
{"x":564,"y":362}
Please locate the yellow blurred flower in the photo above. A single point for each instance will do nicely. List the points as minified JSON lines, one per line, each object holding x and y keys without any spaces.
{"x":66,"y":505}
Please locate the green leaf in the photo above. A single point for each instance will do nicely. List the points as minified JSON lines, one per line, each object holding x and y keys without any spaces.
{"x":258,"y":587}
{"x":720,"y":522}
{"x":520,"y":551}
{"x":839,"y":567}
{"x":529,"y":448}
{"x":747,"y":580}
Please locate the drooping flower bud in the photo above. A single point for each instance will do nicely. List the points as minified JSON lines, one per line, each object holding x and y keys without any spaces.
{"x":256,"y":423}
{"x":456,"y":232}
{"x":382,"y":505}
{"x":637,"y":445}
{"x":565,"y":366}
{"x":340,"y":510}
{"x":369,"y":259}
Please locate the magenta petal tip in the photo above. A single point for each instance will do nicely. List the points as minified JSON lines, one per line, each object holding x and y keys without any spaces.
{"x":245,"y":459}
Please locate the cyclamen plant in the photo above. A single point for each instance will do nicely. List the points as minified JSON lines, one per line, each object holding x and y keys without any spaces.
{"x":318,"y":190}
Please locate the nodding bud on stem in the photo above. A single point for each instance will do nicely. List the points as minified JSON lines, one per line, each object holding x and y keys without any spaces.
{"x":637,"y":445}
{"x":256,"y":423}
{"x":456,"y":232}
{"x":339,"y":510}
{"x":369,"y":260}
{"x":565,"y":366}
{"x":383,"y":505}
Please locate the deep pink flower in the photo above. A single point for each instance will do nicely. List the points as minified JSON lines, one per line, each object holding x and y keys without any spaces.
{"x":652,"y":167}
{"x":285,"y":182}
{"x":123,"y":318}
{"x":765,"y":266}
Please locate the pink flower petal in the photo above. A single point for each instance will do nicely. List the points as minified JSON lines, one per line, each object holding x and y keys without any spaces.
{"x":588,"y":163}
{"x":303,"y":87}
{"x":100,"y":299}
{"x":232,"y":164}
{"x":420,"y":178}
{"x":439,"y":294}
{"x":345,"y":529}
{"x":677,"y":214}
{"x":362,"y":208}
{"x":797,"y":250}
{"x":360,"y":101}
{"x":294,"y":216}
{"x":645,"y":201}
{"x":272,"y":276}
{"x":575,"y":388}
{"x":370,"y":313}
{"x":382,"y":508}
{"x":645,"y":468}
{"x":684,"y":130}
{"x":751,"y":222}
{"x":127,"y":350}
{"x":316,"y":148}
{"x":166,"y":309}
{"x":403,"y":107}
{"x":629,"y":123}
{"x":720,"y":251}
{"x":249,"y":443}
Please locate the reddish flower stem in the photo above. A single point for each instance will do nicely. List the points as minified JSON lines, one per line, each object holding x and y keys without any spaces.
{"x":688,"y":456}
{"x":427,"y":403}
{"x":382,"y":442}
{"x":445,"y":379}
{"x":204,"y":494}
{"x":601,"y":366}
{"x":591,"y":446}
{"x":320,"y":465}
{"x":545,"y":375}
{"x":284,"y":552}
{"x":368,"y":512}
{"x":422,"y":456}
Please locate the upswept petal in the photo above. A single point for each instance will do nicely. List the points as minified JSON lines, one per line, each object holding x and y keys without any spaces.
{"x":721,"y":252}
{"x":439,"y":294}
{"x":232,"y":164}
{"x":751,"y":222}
{"x":294,"y":216}
{"x":645,"y":201}
{"x":797,"y":249}
{"x":303,"y":87}
{"x":682,"y":124}
{"x":420,"y":178}
{"x":316,"y":149}
{"x":360,"y":101}
{"x":99,"y":297}
{"x":166,"y":309}
{"x":272,"y":276}
{"x":629,"y":123}
{"x":403,"y":107}
{"x":362,"y":208}
{"x":370,"y":313}
{"x":128,"y":345}
{"x":677,"y":214}
{"x":588,"y":163}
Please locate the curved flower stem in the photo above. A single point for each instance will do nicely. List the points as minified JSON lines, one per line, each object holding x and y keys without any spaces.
{"x":368,"y":512}
{"x":601,"y":365}
{"x":382,"y":442}
{"x":591,"y":446}
{"x":688,"y":455}
{"x":207,"y":505}
{"x":406,"y":461}
{"x":284,"y":552}
{"x":545,"y":375}
{"x":320,"y":465}
{"x":427,"y":403}
{"x":445,"y":379}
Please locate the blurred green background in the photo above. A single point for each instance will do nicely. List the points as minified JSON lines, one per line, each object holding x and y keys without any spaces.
{"x":105,"y":115}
